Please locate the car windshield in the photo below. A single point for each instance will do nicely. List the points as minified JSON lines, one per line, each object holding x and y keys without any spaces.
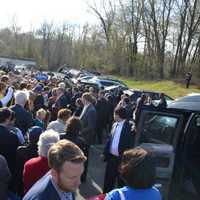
{"x":158,"y":129}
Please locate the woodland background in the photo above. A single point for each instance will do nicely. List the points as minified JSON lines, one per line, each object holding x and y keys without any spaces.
{"x":143,"y":39}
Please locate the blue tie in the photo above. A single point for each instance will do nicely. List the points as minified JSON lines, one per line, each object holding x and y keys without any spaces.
{"x":67,"y":195}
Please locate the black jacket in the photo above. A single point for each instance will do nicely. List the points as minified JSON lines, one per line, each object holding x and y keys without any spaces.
{"x":8,"y":146}
{"x":76,"y":139}
{"x":24,"y":153}
{"x":24,"y":119}
{"x":102,"y":112}
{"x":126,"y":140}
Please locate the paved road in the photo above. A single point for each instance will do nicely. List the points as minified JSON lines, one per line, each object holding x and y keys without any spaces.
{"x":95,"y":177}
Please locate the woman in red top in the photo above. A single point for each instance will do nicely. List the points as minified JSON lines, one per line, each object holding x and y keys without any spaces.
{"x":37,"y":167}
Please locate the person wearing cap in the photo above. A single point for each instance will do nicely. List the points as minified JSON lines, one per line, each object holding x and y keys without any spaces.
{"x":39,"y":100}
{"x":26,"y":152}
{"x":36,"y":167}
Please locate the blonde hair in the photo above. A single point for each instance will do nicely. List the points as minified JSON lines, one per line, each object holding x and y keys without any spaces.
{"x":88,"y":97}
{"x":41,"y":111}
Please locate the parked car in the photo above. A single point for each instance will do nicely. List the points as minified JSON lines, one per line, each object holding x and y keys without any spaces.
{"x":103,"y":82}
{"x":192,"y":97}
{"x":85,"y":77}
{"x":115,"y":89}
{"x":134,"y":94}
{"x":173,"y":134}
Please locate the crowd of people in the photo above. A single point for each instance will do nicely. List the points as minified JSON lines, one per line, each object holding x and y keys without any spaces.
{"x":47,"y":128}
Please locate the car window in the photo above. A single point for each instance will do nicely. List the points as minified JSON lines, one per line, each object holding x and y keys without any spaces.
{"x":168,"y":98}
{"x":158,"y":129}
{"x":108,"y":83}
{"x":135,"y":96}
{"x":154,"y":96}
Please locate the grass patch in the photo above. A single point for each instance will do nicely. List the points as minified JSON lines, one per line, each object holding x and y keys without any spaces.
{"x":168,"y":87}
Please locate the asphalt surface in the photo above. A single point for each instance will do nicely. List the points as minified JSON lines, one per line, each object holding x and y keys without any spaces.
{"x":95,"y":176}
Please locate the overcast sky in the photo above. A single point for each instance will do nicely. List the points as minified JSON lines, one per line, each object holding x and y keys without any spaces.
{"x":33,"y":12}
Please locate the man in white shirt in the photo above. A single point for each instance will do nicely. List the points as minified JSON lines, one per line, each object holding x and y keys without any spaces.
{"x":121,"y":139}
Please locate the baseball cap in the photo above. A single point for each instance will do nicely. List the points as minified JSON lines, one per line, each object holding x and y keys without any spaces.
{"x":34,"y":133}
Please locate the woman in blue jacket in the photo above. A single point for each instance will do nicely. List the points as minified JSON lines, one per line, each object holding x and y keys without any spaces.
{"x":138,"y":172}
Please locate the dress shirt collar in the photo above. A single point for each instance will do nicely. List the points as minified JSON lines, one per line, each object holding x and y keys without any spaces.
{"x":63,"y":195}
{"x":120,"y":123}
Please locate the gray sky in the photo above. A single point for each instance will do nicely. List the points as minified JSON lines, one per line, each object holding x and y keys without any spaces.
{"x":29,"y":13}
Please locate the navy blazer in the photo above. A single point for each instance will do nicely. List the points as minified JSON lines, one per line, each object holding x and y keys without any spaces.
{"x":8,"y":146}
{"x":88,"y":121}
{"x":126,"y":140}
{"x":24,"y":119}
{"x":43,"y":190}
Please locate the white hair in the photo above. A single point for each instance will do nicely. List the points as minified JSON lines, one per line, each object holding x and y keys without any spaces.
{"x":21,"y":97}
{"x":62,"y":85}
{"x":46,"y":140}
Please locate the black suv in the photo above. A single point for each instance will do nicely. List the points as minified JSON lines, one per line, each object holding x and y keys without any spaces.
{"x":173,"y":134}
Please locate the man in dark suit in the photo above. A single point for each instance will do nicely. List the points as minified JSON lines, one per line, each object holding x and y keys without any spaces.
{"x":88,"y":118}
{"x":24,"y":119}
{"x":8,"y":142}
{"x":88,"y":122}
{"x":66,"y":161}
{"x":102,"y":115}
{"x":120,"y":140}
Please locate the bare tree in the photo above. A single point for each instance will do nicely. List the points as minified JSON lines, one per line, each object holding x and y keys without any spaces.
{"x":132,"y":14}
{"x":64,"y":35}
{"x":15,"y":28}
{"x":46,"y":32}
{"x":188,"y":25}
{"x":157,"y":16}
{"x":106,"y":15}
